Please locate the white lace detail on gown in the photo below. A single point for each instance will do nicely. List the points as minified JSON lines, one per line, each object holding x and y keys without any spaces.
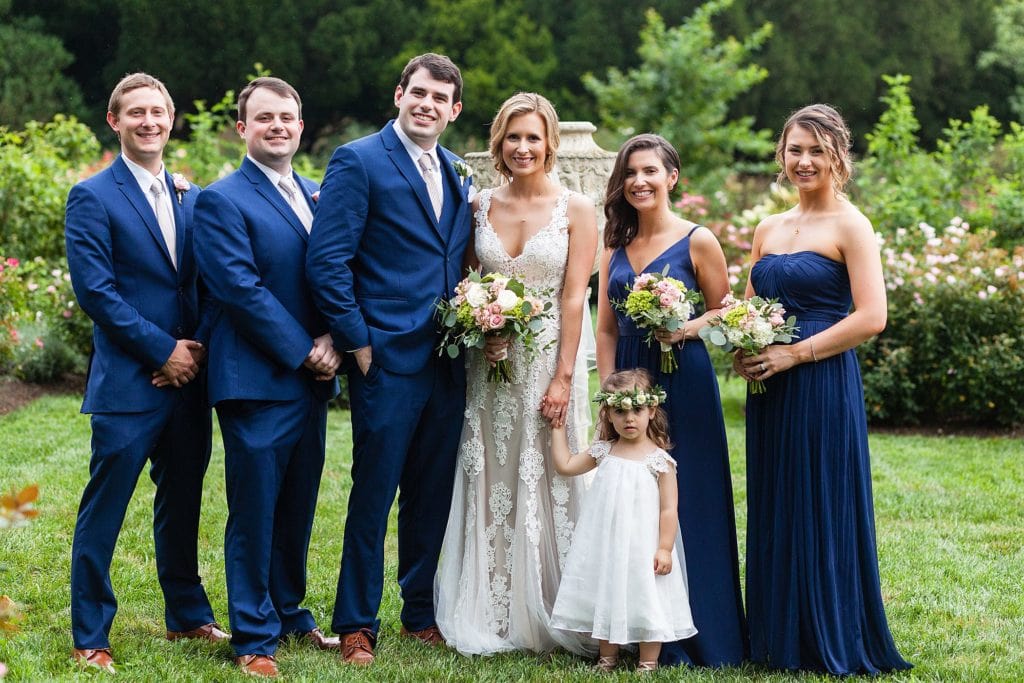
{"x":512,"y":516}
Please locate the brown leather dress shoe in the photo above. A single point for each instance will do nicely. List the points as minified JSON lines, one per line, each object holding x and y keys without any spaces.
{"x":264,"y":666}
{"x":211,"y":632}
{"x":317,"y":639}
{"x":99,"y":658}
{"x":429,"y":636}
{"x":357,"y":648}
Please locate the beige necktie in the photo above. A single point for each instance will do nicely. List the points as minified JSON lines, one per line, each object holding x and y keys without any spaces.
{"x":165,"y":217}
{"x":429,"y":169}
{"x":297,"y":202}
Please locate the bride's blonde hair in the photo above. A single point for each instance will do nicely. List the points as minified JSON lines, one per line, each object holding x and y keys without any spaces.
{"x":517,"y":105}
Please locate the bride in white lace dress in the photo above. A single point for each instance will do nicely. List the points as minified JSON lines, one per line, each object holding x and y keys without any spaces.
{"x":512,"y":516}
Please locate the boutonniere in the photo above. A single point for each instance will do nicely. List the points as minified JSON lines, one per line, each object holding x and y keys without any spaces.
{"x":181,"y":186}
{"x":464,"y":170}
{"x":316,"y":196}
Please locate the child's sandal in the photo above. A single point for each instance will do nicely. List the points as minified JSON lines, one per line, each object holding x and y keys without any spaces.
{"x":607,"y":664}
{"x":646,"y":667}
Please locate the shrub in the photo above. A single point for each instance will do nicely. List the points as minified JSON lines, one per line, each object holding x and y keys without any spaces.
{"x":42,"y":354}
{"x":953,"y":349}
{"x":43,"y":333}
{"x":39,"y":165}
{"x":683,"y":87}
{"x":973,"y":172}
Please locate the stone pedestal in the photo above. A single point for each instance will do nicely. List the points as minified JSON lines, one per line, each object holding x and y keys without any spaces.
{"x":582,"y":166}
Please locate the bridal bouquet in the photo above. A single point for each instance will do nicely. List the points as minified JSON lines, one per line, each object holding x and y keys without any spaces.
{"x":657,"y":301}
{"x":492,"y":305}
{"x":751,"y":325}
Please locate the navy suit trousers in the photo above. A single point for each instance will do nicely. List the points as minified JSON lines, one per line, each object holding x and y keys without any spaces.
{"x":176,"y":439}
{"x":273,"y":459}
{"x":405,"y":433}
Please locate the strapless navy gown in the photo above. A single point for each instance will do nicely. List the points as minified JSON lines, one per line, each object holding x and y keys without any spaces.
{"x":707,"y":520}
{"x":813,"y":595}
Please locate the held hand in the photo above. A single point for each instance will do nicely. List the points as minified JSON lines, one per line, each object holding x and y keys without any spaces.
{"x":180,"y":368}
{"x":554,"y":405}
{"x":771,"y":361}
{"x":671,"y":338}
{"x":198,"y":353}
{"x":364,"y":357}
{"x":662,"y":562}
{"x":737,"y":366}
{"x":323,"y":359}
{"x":496,"y":349}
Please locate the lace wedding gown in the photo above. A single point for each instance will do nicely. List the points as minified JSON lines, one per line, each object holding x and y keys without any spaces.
{"x":512,"y":516}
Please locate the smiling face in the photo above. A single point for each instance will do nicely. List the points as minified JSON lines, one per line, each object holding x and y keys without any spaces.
{"x":630,"y":424}
{"x":425,"y":107}
{"x":524,"y":149}
{"x":272,"y":128}
{"x":647,"y":182}
{"x":806,"y":162}
{"x":143,"y":124}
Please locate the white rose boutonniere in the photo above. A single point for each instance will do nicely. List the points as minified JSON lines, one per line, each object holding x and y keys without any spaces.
{"x":464,"y":170}
{"x":181,"y":186}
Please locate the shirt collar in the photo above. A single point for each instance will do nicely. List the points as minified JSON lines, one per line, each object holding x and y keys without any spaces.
{"x":271,"y":174}
{"x":143,"y":177}
{"x":414,"y":150}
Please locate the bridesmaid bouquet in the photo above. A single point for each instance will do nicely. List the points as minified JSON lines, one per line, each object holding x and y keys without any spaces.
{"x":492,"y":305}
{"x":751,"y":325}
{"x":657,"y":301}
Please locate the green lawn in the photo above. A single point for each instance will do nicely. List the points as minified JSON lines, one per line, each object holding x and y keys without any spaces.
{"x":950,"y":517}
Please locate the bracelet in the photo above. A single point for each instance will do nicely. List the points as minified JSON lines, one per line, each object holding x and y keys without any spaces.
{"x":813,"y":355}
{"x":682,"y":342}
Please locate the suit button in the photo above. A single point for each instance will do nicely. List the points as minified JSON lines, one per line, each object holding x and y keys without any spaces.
{"x":179,"y":330}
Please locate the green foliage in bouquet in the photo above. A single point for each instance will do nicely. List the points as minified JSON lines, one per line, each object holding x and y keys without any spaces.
{"x":953,"y":349}
{"x":492,"y":305}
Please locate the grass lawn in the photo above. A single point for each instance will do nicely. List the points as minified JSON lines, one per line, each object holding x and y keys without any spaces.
{"x":950,"y":519}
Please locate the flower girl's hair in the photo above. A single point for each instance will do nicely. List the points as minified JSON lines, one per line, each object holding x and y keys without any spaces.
{"x":632,"y":380}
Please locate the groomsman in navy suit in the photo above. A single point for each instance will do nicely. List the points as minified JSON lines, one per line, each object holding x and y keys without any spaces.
{"x":129,"y":247}
{"x":391,"y":229}
{"x":271,"y":374}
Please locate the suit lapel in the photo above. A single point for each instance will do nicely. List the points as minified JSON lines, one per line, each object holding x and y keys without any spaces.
{"x":403,"y":162}
{"x":179,"y":220}
{"x":261,"y":183}
{"x":133,"y":193}
{"x":451,"y":178}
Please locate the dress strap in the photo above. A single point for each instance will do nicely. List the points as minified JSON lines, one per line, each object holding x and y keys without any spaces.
{"x":693,"y":230}
{"x":560,"y":216}
{"x":599,"y":449}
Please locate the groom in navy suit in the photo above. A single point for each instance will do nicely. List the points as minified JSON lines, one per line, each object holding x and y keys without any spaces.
{"x":129,"y":248}
{"x":391,"y":229}
{"x":271,"y":372}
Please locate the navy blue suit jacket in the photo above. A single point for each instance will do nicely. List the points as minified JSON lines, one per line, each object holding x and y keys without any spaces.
{"x":378,"y":257}
{"x":125,"y":281}
{"x":251,"y":249}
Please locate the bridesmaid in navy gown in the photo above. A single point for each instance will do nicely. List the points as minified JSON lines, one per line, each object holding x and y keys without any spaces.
{"x":814,"y":599}
{"x":643,"y":235}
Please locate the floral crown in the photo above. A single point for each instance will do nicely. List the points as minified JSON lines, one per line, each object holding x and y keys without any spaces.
{"x":635,"y":398}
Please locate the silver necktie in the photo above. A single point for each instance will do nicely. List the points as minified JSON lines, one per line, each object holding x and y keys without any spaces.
{"x":429,"y":170}
{"x":165,"y":217}
{"x":297,"y":202}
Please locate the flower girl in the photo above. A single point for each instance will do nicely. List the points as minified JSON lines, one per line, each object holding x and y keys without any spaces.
{"x":624,"y":579}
